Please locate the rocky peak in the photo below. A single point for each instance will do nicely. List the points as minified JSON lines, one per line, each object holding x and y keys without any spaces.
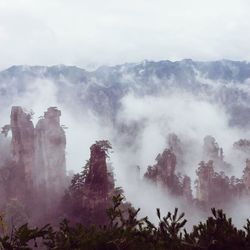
{"x":95,"y":186}
{"x":53,"y":115}
{"x":22,"y":142}
{"x":97,"y":178}
{"x":215,"y":189}
{"x":163,"y":173}
{"x":166,"y":162}
{"x":246,"y":175}
{"x":205,"y":174}
{"x":50,"y":143}
{"x":211,"y":149}
{"x":175,"y":144}
{"x":187,"y":190}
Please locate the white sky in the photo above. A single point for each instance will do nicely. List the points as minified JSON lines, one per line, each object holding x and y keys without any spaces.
{"x":94,"y":32}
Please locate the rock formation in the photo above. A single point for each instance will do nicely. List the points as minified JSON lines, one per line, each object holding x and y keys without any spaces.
{"x":50,"y":143}
{"x":97,"y":177}
{"x":174,"y":144}
{"x":212,"y":151}
{"x":91,"y":191}
{"x":166,"y":163}
{"x":163,"y":173}
{"x":33,"y":169}
{"x":246,"y":176}
{"x":213,"y":186}
{"x":205,"y":174}
{"x":216,"y":189}
{"x":22,"y":142}
{"x":39,"y":151}
{"x":37,"y":166}
{"x":164,"y":168}
{"x":187,"y":190}
{"x":5,"y":149}
{"x":99,"y":183}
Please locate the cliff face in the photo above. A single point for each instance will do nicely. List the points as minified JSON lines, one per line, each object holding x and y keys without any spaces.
{"x":39,"y":151}
{"x":5,"y":149}
{"x":213,"y":187}
{"x":37,"y":163}
{"x":50,"y":143}
{"x":99,"y":182}
{"x":33,"y":171}
{"x":97,"y":178}
{"x":212,"y":151}
{"x":205,"y":175}
{"x":174,"y":143}
{"x":163,"y":174}
{"x":187,"y":190}
{"x":246,"y":176}
{"x":22,"y":143}
{"x":217,"y":189}
{"x":91,"y":191}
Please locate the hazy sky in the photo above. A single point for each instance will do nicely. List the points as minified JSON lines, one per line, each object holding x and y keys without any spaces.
{"x":94,"y":32}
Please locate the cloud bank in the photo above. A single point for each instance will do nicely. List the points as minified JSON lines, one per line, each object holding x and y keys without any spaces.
{"x":90,"y":33}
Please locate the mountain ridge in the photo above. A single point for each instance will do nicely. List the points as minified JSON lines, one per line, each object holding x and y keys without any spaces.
{"x":225,"y":82}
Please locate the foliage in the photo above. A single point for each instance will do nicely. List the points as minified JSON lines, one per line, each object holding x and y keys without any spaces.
{"x":72,"y":200}
{"x":126,"y":231}
{"x":218,"y":233}
{"x":104,"y":145}
{"x":5,"y":130}
{"x":23,"y":238}
{"x":78,"y":179}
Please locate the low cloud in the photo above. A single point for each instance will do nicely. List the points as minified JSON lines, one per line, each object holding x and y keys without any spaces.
{"x":90,"y":33}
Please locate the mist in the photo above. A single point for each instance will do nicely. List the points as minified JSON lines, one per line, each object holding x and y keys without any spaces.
{"x":191,"y":117}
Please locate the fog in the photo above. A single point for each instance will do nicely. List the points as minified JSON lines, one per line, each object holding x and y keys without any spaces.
{"x":190,"y":117}
{"x":58,"y":31}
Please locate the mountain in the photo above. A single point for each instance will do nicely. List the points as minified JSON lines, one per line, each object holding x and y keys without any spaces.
{"x":224,"y":82}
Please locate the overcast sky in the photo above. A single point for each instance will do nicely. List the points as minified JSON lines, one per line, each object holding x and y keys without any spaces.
{"x":90,"y":32}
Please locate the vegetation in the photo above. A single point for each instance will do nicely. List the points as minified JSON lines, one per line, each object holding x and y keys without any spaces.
{"x":126,"y":231}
